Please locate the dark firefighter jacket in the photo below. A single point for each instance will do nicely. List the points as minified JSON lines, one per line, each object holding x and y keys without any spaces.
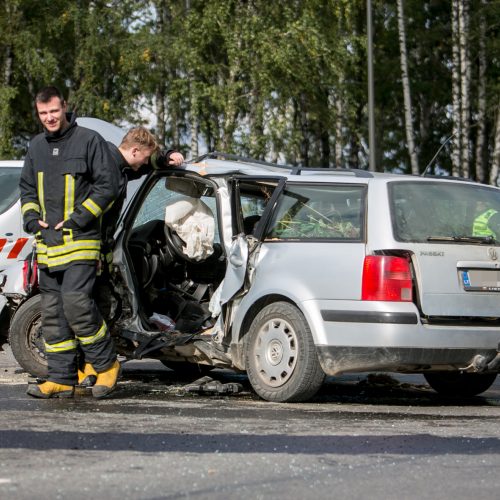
{"x":67,"y":176}
{"x":123,"y":173}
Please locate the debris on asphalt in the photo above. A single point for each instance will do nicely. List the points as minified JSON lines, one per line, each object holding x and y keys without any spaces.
{"x":207,"y":385}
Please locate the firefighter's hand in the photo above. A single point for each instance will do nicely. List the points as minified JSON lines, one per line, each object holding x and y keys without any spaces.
{"x":176,"y":159}
{"x":59,"y":225}
{"x":43,"y":224}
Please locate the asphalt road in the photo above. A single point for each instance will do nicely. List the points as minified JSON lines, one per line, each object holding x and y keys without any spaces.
{"x":363,"y":436}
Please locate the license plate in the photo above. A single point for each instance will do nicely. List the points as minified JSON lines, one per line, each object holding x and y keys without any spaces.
{"x":481,"y":280}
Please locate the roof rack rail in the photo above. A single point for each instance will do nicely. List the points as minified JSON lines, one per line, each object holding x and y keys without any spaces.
{"x":217,"y":155}
{"x":294,"y":170}
{"x":357,"y":172}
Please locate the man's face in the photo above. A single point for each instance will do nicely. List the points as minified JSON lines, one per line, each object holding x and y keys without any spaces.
{"x":139,"y":157}
{"x":52,"y":114}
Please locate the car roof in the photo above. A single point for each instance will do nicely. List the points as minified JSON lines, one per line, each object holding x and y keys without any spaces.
{"x":108,"y":131}
{"x":11,"y":163}
{"x":214,"y":164}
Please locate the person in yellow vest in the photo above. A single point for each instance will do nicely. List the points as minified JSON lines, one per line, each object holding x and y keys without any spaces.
{"x":487,"y":223}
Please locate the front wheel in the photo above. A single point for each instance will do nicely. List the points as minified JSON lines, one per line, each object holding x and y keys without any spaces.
{"x":280,"y":355}
{"x":458,"y":384}
{"x":25,"y":338}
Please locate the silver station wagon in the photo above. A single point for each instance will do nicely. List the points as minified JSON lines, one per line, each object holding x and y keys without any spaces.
{"x":291,"y":273}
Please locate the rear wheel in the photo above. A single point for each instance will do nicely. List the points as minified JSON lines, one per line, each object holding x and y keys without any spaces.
{"x":25,"y":337}
{"x":458,"y":384}
{"x":280,"y":355}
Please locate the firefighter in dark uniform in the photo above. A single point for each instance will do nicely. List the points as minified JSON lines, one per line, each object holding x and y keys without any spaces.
{"x":66,"y":185}
{"x":137,"y":154}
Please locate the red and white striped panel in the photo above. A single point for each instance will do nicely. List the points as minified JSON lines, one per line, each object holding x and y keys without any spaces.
{"x":15,"y":250}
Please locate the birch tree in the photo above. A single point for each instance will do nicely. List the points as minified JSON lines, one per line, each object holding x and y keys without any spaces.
{"x":481,"y":98}
{"x":456,"y":152}
{"x":410,"y":134}
{"x":465,"y":75}
{"x":495,"y":165}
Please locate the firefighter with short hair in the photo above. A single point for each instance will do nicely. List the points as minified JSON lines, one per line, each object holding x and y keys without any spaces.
{"x":66,"y":185}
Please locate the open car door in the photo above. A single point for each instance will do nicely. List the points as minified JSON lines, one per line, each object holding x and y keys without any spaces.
{"x":253,"y":200}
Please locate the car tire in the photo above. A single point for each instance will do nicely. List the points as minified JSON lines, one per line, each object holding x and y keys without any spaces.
{"x":458,"y":384}
{"x":280,"y":355}
{"x":25,"y":338}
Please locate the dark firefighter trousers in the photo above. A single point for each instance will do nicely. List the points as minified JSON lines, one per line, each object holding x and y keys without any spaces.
{"x":71,"y":321}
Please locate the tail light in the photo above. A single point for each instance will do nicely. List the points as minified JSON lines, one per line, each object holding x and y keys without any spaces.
{"x":387,"y":278}
{"x":30,"y":274}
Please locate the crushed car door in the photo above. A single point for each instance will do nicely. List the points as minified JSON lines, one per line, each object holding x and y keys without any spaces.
{"x":253,"y":201}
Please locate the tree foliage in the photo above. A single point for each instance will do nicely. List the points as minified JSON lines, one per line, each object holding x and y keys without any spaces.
{"x":283,"y":81}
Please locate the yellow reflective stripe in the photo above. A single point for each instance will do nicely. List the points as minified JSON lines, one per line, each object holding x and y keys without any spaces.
{"x":92,"y":339}
{"x":68,"y":236}
{"x":30,"y":206}
{"x":66,"y":259}
{"x":92,"y":207}
{"x":72,"y":246}
{"x":65,"y":345}
{"x":69,"y":195}
{"x":41,"y":198}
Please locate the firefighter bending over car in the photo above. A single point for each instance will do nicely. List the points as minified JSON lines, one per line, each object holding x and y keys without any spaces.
{"x":66,"y":184}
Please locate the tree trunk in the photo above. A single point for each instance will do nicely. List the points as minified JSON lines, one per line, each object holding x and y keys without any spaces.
{"x":339,"y":108}
{"x":160,"y":114}
{"x":481,"y":99}
{"x":194,"y":123}
{"x":456,"y":162}
{"x":465,"y":75}
{"x":495,"y":164}
{"x":410,"y":133}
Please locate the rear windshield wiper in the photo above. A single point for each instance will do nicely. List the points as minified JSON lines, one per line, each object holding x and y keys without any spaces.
{"x":480,"y":240}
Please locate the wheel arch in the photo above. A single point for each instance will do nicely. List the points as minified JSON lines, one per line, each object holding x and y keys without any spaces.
{"x":239,"y":333}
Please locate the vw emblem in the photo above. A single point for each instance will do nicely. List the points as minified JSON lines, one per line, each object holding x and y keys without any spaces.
{"x":492,"y":254}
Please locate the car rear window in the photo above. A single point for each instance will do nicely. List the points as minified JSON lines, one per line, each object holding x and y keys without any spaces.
{"x":9,"y":187}
{"x":423,"y":211}
{"x":319,"y":212}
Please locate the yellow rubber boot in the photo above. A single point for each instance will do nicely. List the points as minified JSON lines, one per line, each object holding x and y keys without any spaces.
{"x":87,"y":376}
{"x":106,"y":381}
{"x":48,"y":390}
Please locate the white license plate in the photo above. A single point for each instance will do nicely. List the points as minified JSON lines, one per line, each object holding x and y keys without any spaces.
{"x":481,"y":280}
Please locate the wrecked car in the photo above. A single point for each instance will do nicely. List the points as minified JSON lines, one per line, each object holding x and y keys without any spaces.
{"x":291,"y":274}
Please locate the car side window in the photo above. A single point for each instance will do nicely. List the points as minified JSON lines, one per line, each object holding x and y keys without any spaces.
{"x":253,"y":198}
{"x":312,"y":212}
{"x":9,"y":187}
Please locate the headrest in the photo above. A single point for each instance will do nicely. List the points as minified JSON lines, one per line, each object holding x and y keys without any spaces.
{"x":184,"y":186}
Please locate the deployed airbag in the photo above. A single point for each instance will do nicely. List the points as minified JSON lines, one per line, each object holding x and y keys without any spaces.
{"x":194,"y":223}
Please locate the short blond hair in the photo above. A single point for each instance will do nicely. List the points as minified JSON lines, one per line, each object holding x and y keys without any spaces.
{"x":140,"y":137}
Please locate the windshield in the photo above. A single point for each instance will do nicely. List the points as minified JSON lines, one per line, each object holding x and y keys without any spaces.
{"x":9,"y":187}
{"x":442,"y":211}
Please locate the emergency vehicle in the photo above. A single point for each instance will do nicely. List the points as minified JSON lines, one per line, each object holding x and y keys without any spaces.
{"x":15,"y":244}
